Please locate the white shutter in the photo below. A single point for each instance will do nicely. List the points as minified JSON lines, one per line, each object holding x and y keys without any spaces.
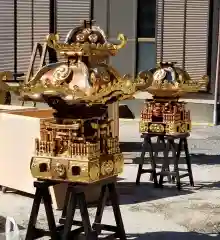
{"x":7,"y":35}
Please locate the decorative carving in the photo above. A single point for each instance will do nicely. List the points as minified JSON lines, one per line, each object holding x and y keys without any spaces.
{"x":5,"y":96}
{"x":61,"y":74}
{"x":70,"y":154}
{"x":60,"y":170}
{"x":165,"y":114}
{"x":84,"y":77}
{"x":166,"y":80}
{"x":77,"y":144}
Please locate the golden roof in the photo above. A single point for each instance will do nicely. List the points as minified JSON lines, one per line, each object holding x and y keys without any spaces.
{"x":167,"y":80}
{"x":83,"y":76}
{"x":86,"y":40}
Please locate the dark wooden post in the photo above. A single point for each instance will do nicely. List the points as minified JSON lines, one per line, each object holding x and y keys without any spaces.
{"x":216,"y":93}
{"x":113,"y":111}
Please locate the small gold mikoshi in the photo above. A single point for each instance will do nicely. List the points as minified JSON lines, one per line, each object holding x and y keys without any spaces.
{"x":164,"y":114}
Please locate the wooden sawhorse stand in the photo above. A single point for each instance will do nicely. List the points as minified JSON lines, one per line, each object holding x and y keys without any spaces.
{"x":148,"y":143}
{"x":75,"y":196}
{"x":169,"y":145}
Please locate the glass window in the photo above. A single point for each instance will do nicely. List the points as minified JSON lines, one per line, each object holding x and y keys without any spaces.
{"x":146,"y":58}
{"x":146,"y":18}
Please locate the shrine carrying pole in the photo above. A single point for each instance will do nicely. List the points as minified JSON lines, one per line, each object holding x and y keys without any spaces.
{"x":216,"y":94}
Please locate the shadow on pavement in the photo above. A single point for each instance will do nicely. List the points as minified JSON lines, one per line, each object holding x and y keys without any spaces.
{"x":130,"y":193}
{"x":205,"y":159}
{"x":130,"y":146}
{"x":172,"y":236}
{"x":199,"y":159}
{"x":207,"y":185}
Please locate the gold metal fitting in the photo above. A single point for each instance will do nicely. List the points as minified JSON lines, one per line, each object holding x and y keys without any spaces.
{"x":60,"y":170}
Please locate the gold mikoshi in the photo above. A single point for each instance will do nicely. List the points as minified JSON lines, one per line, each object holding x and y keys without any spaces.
{"x":165,"y":114}
{"x":77,"y":144}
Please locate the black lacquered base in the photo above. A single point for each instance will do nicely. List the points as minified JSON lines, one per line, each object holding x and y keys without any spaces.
{"x":75,"y":196}
{"x":169,"y":144}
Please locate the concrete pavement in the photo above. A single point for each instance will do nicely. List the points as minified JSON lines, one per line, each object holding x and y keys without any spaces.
{"x":149,"y":213}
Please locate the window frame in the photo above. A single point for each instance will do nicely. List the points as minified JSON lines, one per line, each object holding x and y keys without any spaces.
{"x":138,"y":20}
{"x":144,"y":39}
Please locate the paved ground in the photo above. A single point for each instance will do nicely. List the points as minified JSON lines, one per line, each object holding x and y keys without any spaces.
{"x":151,"y":213}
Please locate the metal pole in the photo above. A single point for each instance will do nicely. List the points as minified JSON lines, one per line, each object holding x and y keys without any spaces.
{"x":91,"y":9}
{"x":53,"y":29}
{"x":113,"y":109}
{"x":215,"y":113}
{"x":15,"y":40}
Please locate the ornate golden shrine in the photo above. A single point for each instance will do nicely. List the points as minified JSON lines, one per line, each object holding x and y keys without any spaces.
{"x":77,"y":144}
{"x":165,"y":114}
{"x":5,"y":96}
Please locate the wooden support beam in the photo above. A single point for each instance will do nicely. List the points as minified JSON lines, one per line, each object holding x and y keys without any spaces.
{"x":113,"y":111}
